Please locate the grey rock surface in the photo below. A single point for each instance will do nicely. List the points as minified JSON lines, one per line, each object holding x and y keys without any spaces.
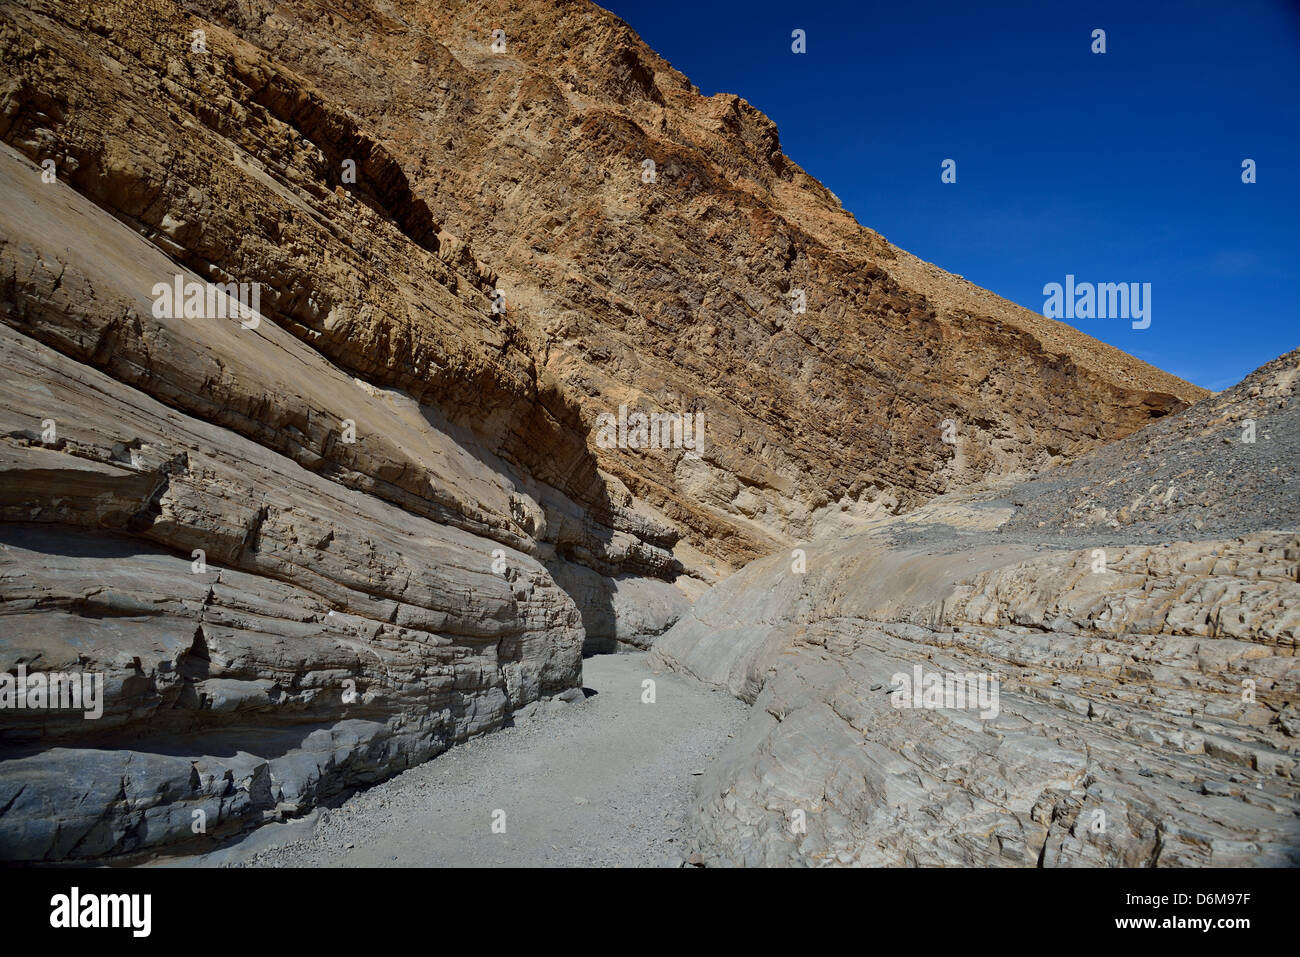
{"x":337,"y":628}
{"x":1148,"y":694}
{"x":604,"y":780}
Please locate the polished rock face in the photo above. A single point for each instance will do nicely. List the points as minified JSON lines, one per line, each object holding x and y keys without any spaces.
{"x":1148,"y":698}
{"x":311,"y":542}
{"x":323,"y":639}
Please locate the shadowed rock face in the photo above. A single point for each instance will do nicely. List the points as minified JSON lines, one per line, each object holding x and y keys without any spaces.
{"x":1148,"y":692}
{"x":407,"y":528}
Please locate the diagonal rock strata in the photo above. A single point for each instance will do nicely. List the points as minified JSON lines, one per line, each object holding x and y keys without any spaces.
{"x":392,"y":475}
{"x":1148,"y":693}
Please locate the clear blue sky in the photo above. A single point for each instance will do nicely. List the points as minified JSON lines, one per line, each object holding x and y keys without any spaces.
{"x":1120,"y":167}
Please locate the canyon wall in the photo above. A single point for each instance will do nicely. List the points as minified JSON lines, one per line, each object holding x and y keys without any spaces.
{"x":310,"y":545}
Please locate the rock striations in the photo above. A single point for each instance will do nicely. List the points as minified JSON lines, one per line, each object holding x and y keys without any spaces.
{"x":1147,"y":706}
{"x":315,"y":538}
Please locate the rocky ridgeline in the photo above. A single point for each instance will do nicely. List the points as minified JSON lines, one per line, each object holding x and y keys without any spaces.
{"x":1148,"y":705}
{"x":309,"y":547}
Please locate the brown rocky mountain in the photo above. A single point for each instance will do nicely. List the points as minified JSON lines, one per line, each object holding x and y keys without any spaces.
{"x":408,"y":526}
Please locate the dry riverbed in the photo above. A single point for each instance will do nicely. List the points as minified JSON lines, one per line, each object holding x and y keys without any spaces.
{"x":607,"y":781}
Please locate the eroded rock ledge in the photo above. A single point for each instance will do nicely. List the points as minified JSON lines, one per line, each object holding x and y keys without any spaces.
{"x":1149,"y":707}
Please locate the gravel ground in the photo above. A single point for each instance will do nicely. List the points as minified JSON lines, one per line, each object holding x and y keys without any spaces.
{"x":608,"y":781}
{"x":1189,"y":477}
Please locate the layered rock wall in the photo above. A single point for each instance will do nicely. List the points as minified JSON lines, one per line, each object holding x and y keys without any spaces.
{"x":405,"y":529}
{"x":1141,"y":693}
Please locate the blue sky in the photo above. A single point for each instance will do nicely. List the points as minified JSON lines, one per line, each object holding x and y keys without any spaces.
{"x":1115,"y":167}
